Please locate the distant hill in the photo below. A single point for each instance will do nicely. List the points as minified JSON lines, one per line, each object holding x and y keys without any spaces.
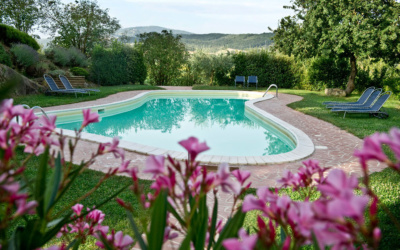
{"x":135,"y":31}
{"x":212,"y":42}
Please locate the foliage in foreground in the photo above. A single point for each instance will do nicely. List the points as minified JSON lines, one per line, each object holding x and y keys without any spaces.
{"x":338,"y":218}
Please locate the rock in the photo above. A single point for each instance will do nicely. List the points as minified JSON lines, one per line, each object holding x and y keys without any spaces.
{"x":23,"y":85}
{"x":335,"y":92}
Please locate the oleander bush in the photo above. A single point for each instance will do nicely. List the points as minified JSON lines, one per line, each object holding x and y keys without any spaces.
{"x":10,"y":36}
{"x":25,"y":55}
{"x":5,"y":58}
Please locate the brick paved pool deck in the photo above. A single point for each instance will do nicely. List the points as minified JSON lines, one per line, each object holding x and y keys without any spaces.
{"x":334,"y":147}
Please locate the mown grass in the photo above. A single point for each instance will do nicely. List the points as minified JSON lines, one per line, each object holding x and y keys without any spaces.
{"x":360,"y":125}
{"x":43,"y":100}
{"x":115,"y":215}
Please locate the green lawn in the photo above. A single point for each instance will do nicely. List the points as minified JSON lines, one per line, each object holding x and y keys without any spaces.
{"x":58,"y":99}
{"x":360,"y":125}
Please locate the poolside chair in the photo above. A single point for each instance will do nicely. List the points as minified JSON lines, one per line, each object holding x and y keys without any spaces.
{"x":374,"y":110}
{"x":252,"y":79}
{"x":360,"y":100}
{"x":240,"y":79}
{"x":368,"y":103}
{"x":64,"y":80}
{"x":54,"y":88}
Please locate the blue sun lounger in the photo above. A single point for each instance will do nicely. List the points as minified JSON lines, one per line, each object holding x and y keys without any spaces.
{"x":363,"y":98}
{"x":371,"y":99}
{"x":374,"y":110}
{"x":64,"y":80}
{"x":54,"y":88}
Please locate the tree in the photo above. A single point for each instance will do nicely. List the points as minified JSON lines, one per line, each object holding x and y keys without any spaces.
{"x":164,"y":55}
{"x":23,"y":14}
{"x":81,"y":24}
{"x":353,"y":29}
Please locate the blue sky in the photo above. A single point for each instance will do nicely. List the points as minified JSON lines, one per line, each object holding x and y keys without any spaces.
{"x":203,"y":16}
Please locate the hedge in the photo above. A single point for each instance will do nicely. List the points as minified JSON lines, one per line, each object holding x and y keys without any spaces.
{"x":10,"y":35}
{"x":117,"y":65}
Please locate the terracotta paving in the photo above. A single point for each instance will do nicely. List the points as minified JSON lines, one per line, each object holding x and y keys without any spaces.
{"x":334,"y":146}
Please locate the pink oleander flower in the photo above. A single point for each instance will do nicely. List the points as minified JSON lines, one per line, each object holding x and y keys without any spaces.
{"x":193,"y":147}
{"x":77,"y":208}
{"x":89,"y":117}
{"x":245,"y":241}
{"x":47,"y":124}
{"x":223,"y":179}
{"x":155,"y":164}
{"x":372,"y":149}
{"x":95,"y":216}
{"x":304,"y":176}
{"x":62,"y":247}
{"x":393,"y":140}
{"x":264,"y":195}
{"x":3,"y":139}
{"x":117,"y":240}
{"x":169,"y":234}
{"x":25,"y":208}
{"x":241,"y":175}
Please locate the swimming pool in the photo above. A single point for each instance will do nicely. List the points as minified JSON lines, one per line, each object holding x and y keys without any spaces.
{"x":221,"y":122}
{"x":153,"y":123}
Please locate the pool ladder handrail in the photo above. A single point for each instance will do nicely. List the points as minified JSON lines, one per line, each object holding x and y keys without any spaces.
{"x":36,"y":107}
{"x":272,"y":85}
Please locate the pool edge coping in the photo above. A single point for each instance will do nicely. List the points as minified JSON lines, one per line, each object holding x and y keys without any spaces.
{"x":304,"y":145}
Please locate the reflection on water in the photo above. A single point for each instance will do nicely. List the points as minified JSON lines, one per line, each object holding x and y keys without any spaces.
{"x":163,"y":122}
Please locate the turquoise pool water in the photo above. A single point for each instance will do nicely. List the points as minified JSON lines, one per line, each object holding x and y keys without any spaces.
{"x":222,"y":123}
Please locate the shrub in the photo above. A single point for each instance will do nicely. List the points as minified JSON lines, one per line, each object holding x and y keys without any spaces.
{"x":327,"y":72}
{"x":25,"y":55}
{"x":77,"y":71}
{"x":57,"y":72}
{"x":5,"y":57}
{"x":117,"y":65}
{"x":77,"y":58}
{"x":10,"y":35}
{"x":58,"y":55}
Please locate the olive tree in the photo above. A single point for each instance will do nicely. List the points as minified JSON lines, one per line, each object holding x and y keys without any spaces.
{"x":81,"y":24}
{"x":353,"y":29}
{"x":24,"y":14}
